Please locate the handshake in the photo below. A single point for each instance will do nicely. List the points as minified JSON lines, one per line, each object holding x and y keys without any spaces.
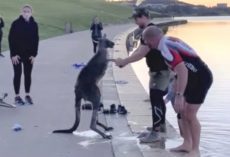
{"x":119,"y":62}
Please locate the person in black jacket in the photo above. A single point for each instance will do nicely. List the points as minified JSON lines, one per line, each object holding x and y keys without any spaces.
{"x":23,"y":42}
{"x":96,"y":28}
{"x":1,"y":34}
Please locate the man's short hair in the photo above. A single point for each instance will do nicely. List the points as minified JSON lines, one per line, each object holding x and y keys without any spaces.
{"x":139,"y":12}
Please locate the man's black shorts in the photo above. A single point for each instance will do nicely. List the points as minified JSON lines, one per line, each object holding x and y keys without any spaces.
{"x":198,"y":86}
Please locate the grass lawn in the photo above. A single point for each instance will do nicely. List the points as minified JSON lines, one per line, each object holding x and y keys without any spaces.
{"x":52,"y":15}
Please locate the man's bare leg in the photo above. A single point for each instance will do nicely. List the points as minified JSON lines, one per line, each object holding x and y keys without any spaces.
{"x":187,"y":144}
{"x":179,"y":121}
{"x":195,"y":128}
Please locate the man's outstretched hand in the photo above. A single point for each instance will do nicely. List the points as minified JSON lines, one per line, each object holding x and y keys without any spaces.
{"x":119,"y":62}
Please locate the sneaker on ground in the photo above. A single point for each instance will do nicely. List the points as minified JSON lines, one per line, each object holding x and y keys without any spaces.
{"x":19,"y":101}
{"x":113,"y":109}
{"x":28,"y":100}
{"x":143,"y":134}
{"x":123,"y":110}
{"x":151,"y":138}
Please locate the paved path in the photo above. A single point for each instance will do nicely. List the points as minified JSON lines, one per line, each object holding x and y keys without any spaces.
{"x":52,"y":91}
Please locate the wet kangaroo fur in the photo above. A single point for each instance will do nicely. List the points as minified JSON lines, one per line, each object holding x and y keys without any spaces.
{"x":87,"y":88}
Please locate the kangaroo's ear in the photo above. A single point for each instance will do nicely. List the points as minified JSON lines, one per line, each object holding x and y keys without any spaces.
{"x":104,"y":36}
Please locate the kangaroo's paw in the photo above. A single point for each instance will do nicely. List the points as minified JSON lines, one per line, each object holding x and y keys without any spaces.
{"x":108,"y":137}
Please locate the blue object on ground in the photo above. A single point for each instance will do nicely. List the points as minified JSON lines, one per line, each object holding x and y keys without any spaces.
{"x":17,"y":127}
{"x":78,"y":66}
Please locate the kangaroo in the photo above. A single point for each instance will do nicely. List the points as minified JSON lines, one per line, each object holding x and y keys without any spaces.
{"x":87,"y":88}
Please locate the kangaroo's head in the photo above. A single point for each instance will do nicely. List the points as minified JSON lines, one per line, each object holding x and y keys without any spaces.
{"x":105,"y":43}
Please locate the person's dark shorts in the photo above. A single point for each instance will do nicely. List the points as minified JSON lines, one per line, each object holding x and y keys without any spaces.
{"x":198,"y":86}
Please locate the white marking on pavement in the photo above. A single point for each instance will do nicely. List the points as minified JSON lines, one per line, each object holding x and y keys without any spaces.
{"x":88,"y":133}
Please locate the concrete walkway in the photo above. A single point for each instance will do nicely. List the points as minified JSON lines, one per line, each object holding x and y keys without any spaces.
{"x":52,"y":91}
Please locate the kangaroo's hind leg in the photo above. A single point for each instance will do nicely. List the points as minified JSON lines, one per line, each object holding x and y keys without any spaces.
{"x":104,"y":126}
{"x":95,"y":97}
{"x":93,"y":125}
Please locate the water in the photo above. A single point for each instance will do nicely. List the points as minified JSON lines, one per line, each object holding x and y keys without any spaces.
{"x":210,"y":37}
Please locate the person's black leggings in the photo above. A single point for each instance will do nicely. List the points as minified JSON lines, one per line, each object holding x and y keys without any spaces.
{"x":95,"y":46}
{"x":158,"y":107}
{"x":27,"y":68}
{"x":95,"y":43}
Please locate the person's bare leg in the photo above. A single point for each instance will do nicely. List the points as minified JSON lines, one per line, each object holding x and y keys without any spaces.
{"x":187,"y":144}
{"x":180,"y":127}
{"x":195,"y":128}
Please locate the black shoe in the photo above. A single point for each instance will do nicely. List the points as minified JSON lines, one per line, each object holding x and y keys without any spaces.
{"x":113,"y":109}
{"x":101,"y":107}
{"x":19,"y":101}
{"x":87,"y":107}
{"x":123,"y":111}
{"x":106,"y":111}
{"x":119,"y":108}
{"x":28,"y":100}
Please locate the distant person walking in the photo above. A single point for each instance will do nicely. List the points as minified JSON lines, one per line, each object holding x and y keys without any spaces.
{"x":23,"y":42}
{"x":1,"y":34}
{"x":96,"y":28}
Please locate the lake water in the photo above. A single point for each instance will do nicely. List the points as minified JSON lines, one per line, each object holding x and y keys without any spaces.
{"x":210,"y":37}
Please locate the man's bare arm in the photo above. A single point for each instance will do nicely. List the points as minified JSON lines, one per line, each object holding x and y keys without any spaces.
{"x":181,"y":83}
{"x":137,"y":55}
{"x":182,"y":77}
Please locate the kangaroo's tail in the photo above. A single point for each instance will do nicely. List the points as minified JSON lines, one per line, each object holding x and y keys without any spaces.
{"x":77,"y":113}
